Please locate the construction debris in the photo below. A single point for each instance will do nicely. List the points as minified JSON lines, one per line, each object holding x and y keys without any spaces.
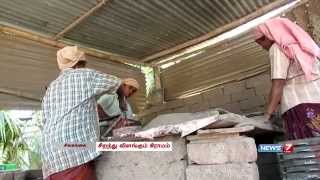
{"x":187,"y":123}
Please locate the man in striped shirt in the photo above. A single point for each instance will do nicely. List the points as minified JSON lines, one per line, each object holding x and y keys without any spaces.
{"x":70,"y":118}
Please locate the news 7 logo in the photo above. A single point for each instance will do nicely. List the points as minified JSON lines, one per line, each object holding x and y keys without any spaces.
{"x":277,"y":148}
{"x":287,"y":148}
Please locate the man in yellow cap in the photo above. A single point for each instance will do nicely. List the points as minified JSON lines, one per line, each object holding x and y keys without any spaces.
{"x":111,"y":106}
{"x":71,"y":125}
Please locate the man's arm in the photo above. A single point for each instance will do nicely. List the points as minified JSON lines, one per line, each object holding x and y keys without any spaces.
{"x":279,"y":64}
{"x":105,"y":83}
{"x":275,"y":95}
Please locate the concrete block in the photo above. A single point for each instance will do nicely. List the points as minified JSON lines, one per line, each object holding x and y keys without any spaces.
{"x":167,"y":111}
{"x":213,"y":93}
{"x":115,"y":159}
{"x":232,"y":107}
{"x":144,"y":165}
{"x":174,"y":104}
{"x":261,"y":109}
{"x":220,"y":151}
{"x":218,"y":101}
{"x":199,"y":107}
{"x":184,"y":109}
{"x":237,"y":171}
{"x":216,"y":97}
{"x":258,"y":81}
{"x":234,"y":87}
{"x":208,"y":138}
{"x":242,"y":95}
{"x":262,"y":90}
{"x":252,"y":102}
{"x":193,"y":99}
{"x":145,"y":171}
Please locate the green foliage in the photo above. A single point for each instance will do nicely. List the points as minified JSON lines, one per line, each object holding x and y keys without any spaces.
{"x":12,"y":145}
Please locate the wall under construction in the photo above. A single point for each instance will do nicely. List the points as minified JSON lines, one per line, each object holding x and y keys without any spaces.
{"x":249,"y":95}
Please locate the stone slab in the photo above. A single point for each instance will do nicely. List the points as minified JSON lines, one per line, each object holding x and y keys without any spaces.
{"x":226,"y":130}
{"x":145,"y":165}
{"x":241,"y":171}
{"x":229,"y":150}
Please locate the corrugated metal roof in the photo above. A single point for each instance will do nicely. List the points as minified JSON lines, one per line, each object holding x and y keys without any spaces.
{"x":141,"y":28}
{"x":230,"y":61}
{"x":27,"y":67}
{"x":47,"y":16}
{"x":131,"y":28}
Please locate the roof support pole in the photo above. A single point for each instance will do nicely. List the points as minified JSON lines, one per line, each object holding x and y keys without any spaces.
{"x":59,"y":44}
{"x":80,"y":19}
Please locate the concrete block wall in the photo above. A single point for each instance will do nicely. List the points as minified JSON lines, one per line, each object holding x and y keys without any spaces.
{"x":241,"y":97}
{"x":145,"y":165}
{"x":231,"y":158}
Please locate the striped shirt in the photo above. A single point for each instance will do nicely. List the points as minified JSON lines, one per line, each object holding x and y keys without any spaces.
{"x":70,"y":117}
{"x":296,"y":90}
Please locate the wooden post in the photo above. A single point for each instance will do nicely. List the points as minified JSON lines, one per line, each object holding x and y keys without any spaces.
{"x":157,"y":77}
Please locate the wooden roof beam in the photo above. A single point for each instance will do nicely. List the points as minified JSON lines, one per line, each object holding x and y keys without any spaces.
{"x":80,"y":19}
{"x":59,"y":44}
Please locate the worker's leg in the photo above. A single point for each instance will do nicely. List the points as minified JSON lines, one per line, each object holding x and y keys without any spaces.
{"x":83,"y":172}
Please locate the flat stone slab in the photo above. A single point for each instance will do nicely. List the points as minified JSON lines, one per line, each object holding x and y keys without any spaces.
{"x":145,"y":165}
{"x":229,"y":150}
{"x":237,"y":171}
{"x":227,"y":130}
{"x":144,"y":171}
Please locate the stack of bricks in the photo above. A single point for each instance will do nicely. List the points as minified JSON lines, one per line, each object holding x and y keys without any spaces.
{"x":221,"y":154}
{"x":241,"y":97}
{"x":211,"y":154}
{"x":145,"y":165}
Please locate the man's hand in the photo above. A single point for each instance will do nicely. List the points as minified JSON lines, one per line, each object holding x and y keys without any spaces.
{"x":267,"y":116}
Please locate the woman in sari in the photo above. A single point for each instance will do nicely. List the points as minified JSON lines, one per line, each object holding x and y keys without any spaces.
{"x":295,"y":76}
